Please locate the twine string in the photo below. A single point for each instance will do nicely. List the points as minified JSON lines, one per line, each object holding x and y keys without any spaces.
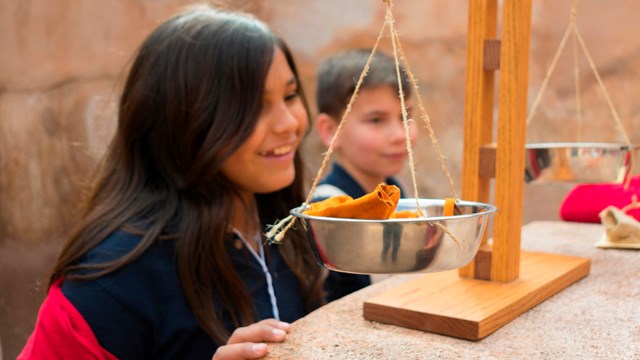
{"x":343,"y":120}
{"x":550,"y":70}
{"x":603,"y":88}
{"x":576,"y":69}
{"x":275,"y":233}
{"x":425,"y":117}
{"x":448,"y":232}
{"x":614,"y":113}
{"x":405,"y":121}
{"x":572,"y":28}
{"x":397,"y":53}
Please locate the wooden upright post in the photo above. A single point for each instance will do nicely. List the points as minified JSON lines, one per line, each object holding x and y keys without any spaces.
{"x":476,"y":300}
{"x":512,"y":112}
{"x":500,"y":262}
{"x":478,"y":115}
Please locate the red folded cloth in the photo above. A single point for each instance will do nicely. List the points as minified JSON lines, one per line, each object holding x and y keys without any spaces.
{"x":61,"y":332}
{"x":584,"y":202}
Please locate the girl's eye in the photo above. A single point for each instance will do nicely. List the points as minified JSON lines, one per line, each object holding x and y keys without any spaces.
{"x":294,"y":94}
{"x":375,"y":120}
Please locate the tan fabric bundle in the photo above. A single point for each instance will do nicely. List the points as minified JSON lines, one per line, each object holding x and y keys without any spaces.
{"x":621,"y":230}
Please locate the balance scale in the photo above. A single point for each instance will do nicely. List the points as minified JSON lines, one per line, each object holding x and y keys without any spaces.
{"x":502,"y":281}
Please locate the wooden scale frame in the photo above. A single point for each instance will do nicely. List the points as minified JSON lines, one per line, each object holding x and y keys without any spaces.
{"x":502,"y":281}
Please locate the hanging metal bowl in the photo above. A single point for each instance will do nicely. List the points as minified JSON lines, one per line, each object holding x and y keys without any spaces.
{"x":399,"y":245}
{"x":576,"y":162}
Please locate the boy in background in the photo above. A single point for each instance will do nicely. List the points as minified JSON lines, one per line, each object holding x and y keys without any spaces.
{"x":371,"y":147}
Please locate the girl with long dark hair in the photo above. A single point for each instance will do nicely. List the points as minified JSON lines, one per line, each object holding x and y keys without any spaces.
{"x":168,"y":259}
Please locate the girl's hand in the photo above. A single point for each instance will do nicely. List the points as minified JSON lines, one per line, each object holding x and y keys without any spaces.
{"x":248,"y":342}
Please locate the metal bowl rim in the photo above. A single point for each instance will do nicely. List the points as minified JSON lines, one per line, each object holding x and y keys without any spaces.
{"x":488,"y":210}
{"x":575,"y":145}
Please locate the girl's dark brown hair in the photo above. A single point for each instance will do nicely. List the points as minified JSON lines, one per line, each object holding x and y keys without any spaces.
{"x":192,"y":97}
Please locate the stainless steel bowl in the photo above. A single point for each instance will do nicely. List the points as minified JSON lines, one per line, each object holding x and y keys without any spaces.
{"x":576,"y":162}
{"x":399,"y":245}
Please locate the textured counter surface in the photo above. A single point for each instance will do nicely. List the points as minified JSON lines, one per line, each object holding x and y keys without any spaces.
{"x":596,"y":318}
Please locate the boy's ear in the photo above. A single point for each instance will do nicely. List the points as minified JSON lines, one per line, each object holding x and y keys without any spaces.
{"x":326,"y":127}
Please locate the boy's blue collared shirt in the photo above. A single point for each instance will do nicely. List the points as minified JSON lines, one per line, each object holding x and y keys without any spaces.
{"x":342,"y":284}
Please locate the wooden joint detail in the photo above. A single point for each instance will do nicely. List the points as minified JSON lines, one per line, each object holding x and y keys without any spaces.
{"x":487,"y":161}
{"x":482,"y":265}
{"x":491,"y":54}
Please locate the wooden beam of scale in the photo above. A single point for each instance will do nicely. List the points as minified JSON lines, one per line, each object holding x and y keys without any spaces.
{"x":501,"y":282}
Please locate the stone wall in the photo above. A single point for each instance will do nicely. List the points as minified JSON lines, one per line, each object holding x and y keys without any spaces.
{"x":63,"y":61}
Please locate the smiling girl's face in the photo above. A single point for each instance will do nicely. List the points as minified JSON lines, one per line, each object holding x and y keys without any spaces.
{"x":264,"y":163}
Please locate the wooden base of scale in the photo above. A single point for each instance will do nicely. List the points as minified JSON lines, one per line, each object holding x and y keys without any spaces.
{"x":471,"y":309}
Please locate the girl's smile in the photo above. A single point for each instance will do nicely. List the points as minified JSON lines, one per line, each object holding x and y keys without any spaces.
{"x":264,"y":163}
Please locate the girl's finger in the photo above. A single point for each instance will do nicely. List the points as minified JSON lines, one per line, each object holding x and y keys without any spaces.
{"x":240,"y":351}
{"x":269,"y":330}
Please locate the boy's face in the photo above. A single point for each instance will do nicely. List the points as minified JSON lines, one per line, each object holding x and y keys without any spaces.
{"x":372,"y":143}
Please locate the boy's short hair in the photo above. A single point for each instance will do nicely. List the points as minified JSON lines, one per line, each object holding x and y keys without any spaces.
{"x":339,"y":74}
